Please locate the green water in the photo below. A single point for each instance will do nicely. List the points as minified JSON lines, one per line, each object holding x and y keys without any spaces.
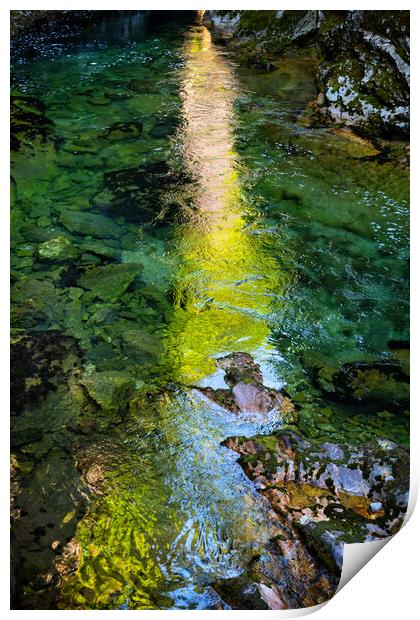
{"x":245,"y":231}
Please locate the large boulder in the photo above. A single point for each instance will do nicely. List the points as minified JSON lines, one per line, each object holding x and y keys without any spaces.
{"x":363,"y":71}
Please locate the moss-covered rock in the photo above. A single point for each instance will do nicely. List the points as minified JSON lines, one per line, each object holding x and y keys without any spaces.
{"x":57,"y":249}
{"x":111,"y":390}
{"x":363,"y":60}
{"x":92,"y":224}
{"x":28,"y":121}
{"x":332,"y":493}
{"x":111,"y":281}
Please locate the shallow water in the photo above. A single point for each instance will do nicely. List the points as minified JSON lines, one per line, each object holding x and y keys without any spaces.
{"x":254,"y":233}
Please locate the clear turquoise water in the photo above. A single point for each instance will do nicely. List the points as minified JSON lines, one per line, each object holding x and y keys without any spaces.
{"x":254,"y":233}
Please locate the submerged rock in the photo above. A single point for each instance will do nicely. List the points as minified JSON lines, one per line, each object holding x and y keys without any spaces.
{"x":28,"y":121}
{"x":140,"y":86}
{"x":142,"y":345}
{"x":40,"y":362}
{"x":123,"y":131}
{"x":57,"y":249}
{"x":246,"y":391}
{"x":109,"y":389}
{"x":149,"y":193}
{"x":92,"y":224}
{"x":38,"y":234}
{"x":36,"y":302}
{"x":111,"y":281}
{"x":100,"y":248}
{"x":383,"y":383}
{"x":164,"y":127}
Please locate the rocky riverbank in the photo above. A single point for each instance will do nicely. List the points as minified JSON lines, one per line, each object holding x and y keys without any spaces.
{"x":362,"y":61}
{"x":322,"y":494}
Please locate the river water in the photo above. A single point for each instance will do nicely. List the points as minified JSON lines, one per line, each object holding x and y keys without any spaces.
{"x":253,"y":232}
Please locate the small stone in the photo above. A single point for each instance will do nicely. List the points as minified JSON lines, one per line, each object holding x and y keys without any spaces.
{"x":375,"y":506}
{"x":59,"y":249}
{"x":260,"y":482}
{"x":95,"y":477}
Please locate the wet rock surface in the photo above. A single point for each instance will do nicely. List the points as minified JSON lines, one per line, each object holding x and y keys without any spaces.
{"x":246,"y":392}
{"x":324,"y":496}
{"x":92,"y":224}
{"x":363,"y":69}
{"x":110,"y":390}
